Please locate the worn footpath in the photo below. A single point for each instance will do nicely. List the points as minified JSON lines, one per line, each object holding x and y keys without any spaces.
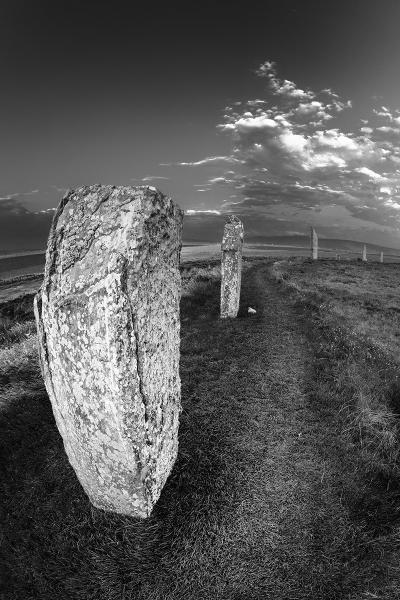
{"x":283,"y":530}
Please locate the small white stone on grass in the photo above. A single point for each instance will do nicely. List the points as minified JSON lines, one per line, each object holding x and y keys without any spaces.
{"x":252,"y":311}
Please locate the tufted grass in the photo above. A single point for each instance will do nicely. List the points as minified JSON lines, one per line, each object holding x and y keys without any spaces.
{"x":353,"y":314}
{"x":273,"y":495}
{"x":354,"y":309}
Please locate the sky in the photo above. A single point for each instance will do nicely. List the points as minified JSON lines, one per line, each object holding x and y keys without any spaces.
{"x":285,"y":113}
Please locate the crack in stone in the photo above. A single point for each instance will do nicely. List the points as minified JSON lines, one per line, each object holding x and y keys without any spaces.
{"x":103,"y":199}
{"x":134,"y":331}
{"x":144,"y":470}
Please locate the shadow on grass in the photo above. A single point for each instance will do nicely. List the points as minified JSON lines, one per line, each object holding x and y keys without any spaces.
{"x":19,"y":309}
{"x":54,"y":544}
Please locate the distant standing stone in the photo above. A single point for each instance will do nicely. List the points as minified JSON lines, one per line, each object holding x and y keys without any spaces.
{"x":364,"y":253}
{"x":314,"y":244}
{"x":108,"y":323}
{"x":231,"y":267}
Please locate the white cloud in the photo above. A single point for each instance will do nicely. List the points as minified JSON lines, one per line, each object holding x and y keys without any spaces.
{"x":218,"y":180}
{"x":371,"y":174}
{"x":388,"y":129}
{"x":204,"y":161}
{"x":286,"y":138}
{"x":392,"y":204}
{"x":293,"y":142}
{"x":291,"y":154}
{"x":281,"y":87}
{"x":192,"y":212}
{"x":18,"y":194}
{"x":249,"y":123}
{"x":45,"y":211}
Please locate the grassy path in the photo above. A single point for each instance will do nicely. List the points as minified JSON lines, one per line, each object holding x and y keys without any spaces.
{"x":286,"y":532}
{"x":255,"y":507}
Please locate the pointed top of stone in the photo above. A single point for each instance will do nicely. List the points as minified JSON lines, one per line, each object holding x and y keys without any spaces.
{"x":233,"y":234}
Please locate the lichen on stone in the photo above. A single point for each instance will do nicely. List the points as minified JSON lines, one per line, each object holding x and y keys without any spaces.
{"x":231,"y":267}
{"x":108,"y":323}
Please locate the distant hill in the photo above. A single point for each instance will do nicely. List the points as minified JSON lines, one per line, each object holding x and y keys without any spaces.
{"x":282,"y":241}
{"x":303,"y":241}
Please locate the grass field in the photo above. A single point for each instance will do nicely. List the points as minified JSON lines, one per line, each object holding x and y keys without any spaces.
{"x":365,"y":295}
{"x":353,"y":311}
{"x":357,"y":307}
{"x":286,"y":485}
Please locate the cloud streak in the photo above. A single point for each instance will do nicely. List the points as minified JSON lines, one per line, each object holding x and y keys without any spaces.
{"x":192,"y":212}
{"x":208,"y":160}
{"x":153,"y":178}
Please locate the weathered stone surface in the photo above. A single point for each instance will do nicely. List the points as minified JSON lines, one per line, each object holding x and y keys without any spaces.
{"x":364,"y":253}
{"x":231,"y":267}
{"x":314,"y":244}
{"x":109,"y":337}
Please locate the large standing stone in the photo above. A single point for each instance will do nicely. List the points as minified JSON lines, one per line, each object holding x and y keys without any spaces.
{"x":108,"y":323}
{"x":231,"y":267}
{"x":314,"y":244}
{"x":364,"y":253}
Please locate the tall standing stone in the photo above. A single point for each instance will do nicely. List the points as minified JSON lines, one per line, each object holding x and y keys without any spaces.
{"x":381,"y":257}
{"x":314,"y":244}
{"x":108,"y":323}
{"x":231,"y":267}
{"x":364,"y":253}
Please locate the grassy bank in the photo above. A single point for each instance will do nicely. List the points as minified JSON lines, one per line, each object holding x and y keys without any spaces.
{"x":354,"y":329}
{"x":354,"y":312}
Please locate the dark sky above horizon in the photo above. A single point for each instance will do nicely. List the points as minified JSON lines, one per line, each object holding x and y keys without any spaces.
{"x":217,"y":105}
